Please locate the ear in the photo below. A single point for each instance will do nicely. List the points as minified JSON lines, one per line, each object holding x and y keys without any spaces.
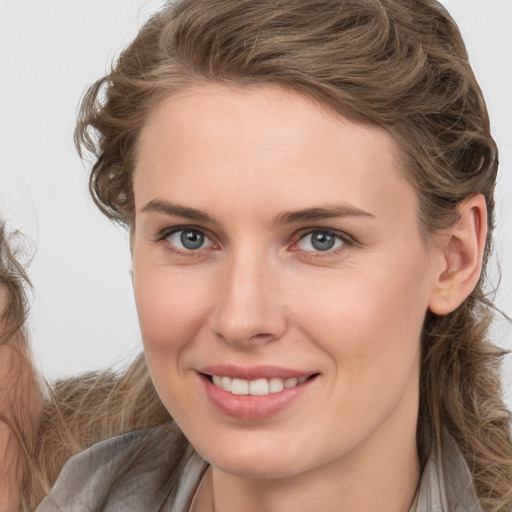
{"x":462,"y":250}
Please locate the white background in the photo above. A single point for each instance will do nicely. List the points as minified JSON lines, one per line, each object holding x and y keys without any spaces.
{"x":83,"y":316}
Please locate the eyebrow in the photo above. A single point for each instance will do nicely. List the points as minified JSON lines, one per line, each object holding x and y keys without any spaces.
{"x":322,"y":212}
{"x":284,"y":217}
{"x":177,"y":210}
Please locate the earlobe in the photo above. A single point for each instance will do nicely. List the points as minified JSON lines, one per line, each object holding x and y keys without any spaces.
{"x":462,"y":254}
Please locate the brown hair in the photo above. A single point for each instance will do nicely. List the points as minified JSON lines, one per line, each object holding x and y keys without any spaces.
{"x":19,"y":390}
{"x":397,"y":63}
{"x":13,"y":282}
{"x":84,"y":410}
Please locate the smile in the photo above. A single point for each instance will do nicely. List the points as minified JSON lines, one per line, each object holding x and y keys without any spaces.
{"x":256,"y":387}
{"x":254,"y":393}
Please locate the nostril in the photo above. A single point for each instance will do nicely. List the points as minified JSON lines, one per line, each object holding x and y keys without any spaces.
{"x":263,"y":337}
{"x":246,"y":338}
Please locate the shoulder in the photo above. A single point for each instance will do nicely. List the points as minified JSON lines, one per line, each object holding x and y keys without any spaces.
{"x":141,"y":470}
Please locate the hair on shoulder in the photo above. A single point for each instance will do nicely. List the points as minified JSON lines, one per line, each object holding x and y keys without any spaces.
{"x":86,"y":409}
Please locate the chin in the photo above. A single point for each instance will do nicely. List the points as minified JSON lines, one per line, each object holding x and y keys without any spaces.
{"x":255,"y":460}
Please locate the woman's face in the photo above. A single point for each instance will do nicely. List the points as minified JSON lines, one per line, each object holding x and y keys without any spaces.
{"x":276,"y":252}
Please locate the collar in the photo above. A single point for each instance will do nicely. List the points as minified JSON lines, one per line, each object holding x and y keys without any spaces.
{"x":446,"y":483}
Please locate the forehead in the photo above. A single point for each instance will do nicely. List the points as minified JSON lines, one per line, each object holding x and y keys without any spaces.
{"x":266,"y":144}
{"x":267,"y":108}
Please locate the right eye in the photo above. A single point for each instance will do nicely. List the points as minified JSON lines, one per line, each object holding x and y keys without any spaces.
{"x":188,"y":239}
{"x":321,"y":240}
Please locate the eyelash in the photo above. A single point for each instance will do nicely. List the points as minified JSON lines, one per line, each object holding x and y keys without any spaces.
{"x":175,"y":250}
{"x":345,"y":239}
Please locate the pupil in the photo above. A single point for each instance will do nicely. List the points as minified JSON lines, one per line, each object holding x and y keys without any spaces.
{"x":323,"y":241}
{"x":192,"y":239}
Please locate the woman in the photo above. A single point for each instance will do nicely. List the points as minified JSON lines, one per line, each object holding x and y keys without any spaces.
{"x":309,"y":192}
{"x":19,"y":391}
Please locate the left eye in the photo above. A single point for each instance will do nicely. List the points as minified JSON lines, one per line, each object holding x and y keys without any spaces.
{"x":189,"y":239}
{"x":320,"y":241}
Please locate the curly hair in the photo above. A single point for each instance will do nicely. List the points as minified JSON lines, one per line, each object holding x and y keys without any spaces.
{"x":396,"y":63}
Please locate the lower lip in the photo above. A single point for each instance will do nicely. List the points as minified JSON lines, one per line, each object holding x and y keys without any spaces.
{"x":253,"y":407}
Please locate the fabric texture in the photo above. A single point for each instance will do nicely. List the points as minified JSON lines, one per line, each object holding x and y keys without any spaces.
{"x":87,"y":482}
{"x":128,"y":473}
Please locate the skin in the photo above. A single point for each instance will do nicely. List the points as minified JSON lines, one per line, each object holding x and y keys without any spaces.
{"x":19,"y":394}
{"x":258,"y":293}
{"x":10,"y":472}
{"x":11,"y":469}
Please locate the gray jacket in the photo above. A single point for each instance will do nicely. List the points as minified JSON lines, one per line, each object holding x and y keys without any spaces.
{"x":90,"y":481}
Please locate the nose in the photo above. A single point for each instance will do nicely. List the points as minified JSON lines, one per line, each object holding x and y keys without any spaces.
{"x":248,"y":309}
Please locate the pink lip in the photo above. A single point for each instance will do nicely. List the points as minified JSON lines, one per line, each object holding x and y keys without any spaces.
{"x":253,"y":372}
{"x":252,"y":407}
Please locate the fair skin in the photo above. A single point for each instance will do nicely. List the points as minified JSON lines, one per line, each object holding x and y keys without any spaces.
{"x":280,"y":239}
{"x":13,"y":388}
{"x":19,"y":400}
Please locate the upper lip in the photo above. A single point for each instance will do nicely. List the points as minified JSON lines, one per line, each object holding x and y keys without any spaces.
{"x":253,"y":372}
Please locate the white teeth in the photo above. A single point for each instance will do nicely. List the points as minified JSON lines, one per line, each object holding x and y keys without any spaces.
{"x":275,"y":385}
{"x":291,"y":383}
{"x":240,"y":387}
{"x":256,"y":387}
{"x":226,"y":383}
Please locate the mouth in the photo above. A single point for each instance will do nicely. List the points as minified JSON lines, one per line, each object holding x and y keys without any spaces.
{"x":256,"y":393}
{"x":256,"y":387}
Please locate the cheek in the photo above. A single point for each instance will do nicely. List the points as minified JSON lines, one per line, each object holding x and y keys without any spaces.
{"x":369,"y":322}
{"x":171,"y":311}
{"x":171,"y":307}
